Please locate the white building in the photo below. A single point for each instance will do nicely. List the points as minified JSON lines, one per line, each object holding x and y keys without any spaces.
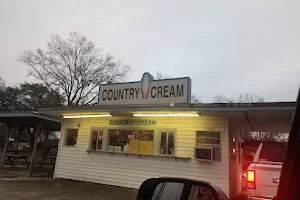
{"x":149,"y":129}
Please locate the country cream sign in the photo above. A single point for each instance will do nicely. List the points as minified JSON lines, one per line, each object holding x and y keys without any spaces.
{"x":146,"y":91}
{"x":133,"y":122}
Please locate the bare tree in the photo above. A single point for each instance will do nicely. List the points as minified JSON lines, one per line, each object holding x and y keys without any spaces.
{"x":2,"y":84}
{"x":266,"y":136}
{"x":74,"y":66}
{"x":195,"y":99}
{"x":160,"y":76}
{"x":249,"y":98}
{"x":283,"y":137}
{"x":221,"y":99}
{"x":242,"y":98}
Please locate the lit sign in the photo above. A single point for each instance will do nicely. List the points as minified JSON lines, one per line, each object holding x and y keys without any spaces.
{"x":146,"y":91}
{"x":133,"y":122}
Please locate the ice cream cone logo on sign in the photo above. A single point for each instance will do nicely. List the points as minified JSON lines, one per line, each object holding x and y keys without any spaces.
{"x":145,"y":87}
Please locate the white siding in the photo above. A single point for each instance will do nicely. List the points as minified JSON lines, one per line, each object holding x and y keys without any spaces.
{"x":235,"y":165}
{"x":130,"y":171}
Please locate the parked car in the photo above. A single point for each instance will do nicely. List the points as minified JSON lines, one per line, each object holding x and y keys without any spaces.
{"x":264,"y":172}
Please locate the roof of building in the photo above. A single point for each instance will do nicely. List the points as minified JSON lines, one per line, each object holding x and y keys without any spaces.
{"x":267,"y":116}
{"x":29,"y":118}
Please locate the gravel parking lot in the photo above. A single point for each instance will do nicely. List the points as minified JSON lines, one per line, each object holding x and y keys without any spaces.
{"x":14,"y":187}
{"x":62,"y":190}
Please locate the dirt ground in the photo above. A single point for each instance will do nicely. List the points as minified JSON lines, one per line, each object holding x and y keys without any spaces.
{"x":62,"y":190}
{"x":15,"y":186}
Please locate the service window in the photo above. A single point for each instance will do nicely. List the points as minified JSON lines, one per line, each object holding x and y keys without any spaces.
{"x":96,"y":139}
{"x":132,"y":141}
{"x":167,"y":140}
{"x":71,"y":137}
{"x":208,"y":138}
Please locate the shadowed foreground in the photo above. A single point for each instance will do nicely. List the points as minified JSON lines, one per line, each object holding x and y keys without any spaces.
{"x":62,"y":190}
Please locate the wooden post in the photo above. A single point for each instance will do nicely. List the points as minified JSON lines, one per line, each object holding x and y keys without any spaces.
{"x":7,"y":127}
{"x":31,"y":139}
{"x":18,"y":139}
{"x":36,"y":134}
{"x":46,"y":139}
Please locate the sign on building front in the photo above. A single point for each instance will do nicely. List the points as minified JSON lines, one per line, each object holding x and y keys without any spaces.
{"x":133,"y":122}
{"x":146,"y":91}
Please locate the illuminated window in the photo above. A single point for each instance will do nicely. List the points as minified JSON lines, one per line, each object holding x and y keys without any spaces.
{"x":132,"y":141}
{"x":167,"y":143}
{"x":96,"y":139}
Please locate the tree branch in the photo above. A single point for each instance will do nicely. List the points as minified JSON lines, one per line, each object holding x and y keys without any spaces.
{"x":74,"y":65}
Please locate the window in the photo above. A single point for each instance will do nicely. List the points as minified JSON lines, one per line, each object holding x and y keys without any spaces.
{"x":168,"y":191}
{"x":71,"y":137}
{"x":133,"y":141}
{"x":272,"y":153}
{"x":96,"y":139}
{"x":177,"y":191}
{"x":167,"y":143}
{"x":208,"y":138}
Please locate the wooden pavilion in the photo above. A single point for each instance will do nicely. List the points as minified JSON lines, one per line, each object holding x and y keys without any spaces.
{"x":33,"y":124}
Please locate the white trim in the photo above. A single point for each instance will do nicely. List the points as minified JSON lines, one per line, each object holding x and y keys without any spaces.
{"x":167,"y":136}
{"x":140,"y":155}
{"x":58,"y":148}
{"x":104,"y":139}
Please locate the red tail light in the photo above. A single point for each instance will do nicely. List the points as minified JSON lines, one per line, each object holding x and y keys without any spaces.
{"x":251,"y":176}
{"x":251,"y":179}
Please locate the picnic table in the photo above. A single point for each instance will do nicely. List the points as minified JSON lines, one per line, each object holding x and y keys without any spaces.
{"x":14,"y":159}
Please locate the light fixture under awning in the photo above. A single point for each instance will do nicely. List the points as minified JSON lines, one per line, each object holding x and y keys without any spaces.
{"x":85,"y":116}
{"x":166,"y":115}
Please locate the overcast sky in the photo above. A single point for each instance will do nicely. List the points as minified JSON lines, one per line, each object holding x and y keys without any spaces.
{"x":225,"y":47}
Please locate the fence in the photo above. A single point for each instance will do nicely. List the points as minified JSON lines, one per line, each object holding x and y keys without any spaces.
{"x":44,"y":161}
